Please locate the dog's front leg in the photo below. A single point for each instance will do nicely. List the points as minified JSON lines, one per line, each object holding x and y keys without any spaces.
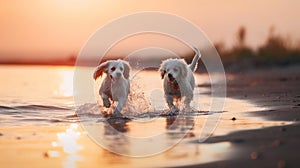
{"x":187,"y":101}
{"x":187,"y":93}
{"x":119,"y":107}
{"x":172,"y":107}
{"x":105,"y":92}
{"x":105,"y":100}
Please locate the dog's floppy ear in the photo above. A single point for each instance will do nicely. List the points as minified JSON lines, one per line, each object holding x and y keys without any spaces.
{"x":100,"y":69}
{"x":162,"y":70}
{"x":126,"y":69}
{"x":162,"y":73}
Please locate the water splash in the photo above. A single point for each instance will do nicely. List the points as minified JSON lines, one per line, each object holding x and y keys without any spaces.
{"x":137,"y":102}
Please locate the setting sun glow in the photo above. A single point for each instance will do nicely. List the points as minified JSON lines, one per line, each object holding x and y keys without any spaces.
{"x":66,"y":85}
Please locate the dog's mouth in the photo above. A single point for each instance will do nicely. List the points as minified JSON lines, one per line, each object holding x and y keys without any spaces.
{"x":111,"y":77}
{"x":174,"y":84}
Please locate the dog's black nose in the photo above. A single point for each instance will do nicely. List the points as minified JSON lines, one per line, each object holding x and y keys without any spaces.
{"x":170,"y":76}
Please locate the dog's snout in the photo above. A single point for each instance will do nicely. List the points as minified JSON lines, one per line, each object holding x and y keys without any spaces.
{"x":170,"y":75}
{"x":118,"y":74}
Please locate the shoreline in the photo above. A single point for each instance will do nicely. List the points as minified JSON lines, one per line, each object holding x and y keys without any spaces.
{"x":274,"y":146}
{"x":274,"y":90}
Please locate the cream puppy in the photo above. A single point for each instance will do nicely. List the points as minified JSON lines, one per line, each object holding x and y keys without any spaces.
{"x":116,"y":85}
{"x":179,"y":81}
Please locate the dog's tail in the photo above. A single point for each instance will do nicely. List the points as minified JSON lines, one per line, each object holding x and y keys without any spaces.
{"x":193,"y":65}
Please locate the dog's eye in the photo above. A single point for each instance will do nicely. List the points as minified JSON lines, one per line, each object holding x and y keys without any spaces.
{"x":121,"y":69}
{"x":113,"y":68}
{"x":175,"y":70}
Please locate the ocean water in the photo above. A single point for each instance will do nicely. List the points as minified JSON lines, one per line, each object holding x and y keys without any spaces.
{"x":43,"y":96}
{"x":32,"y":95}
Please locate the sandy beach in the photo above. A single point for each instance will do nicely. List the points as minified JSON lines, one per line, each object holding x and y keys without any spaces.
{"x":276,"y":90}
{"x":277,"y":146}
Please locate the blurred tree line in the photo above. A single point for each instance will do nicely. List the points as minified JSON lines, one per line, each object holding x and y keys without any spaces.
{"x":275,"y":51}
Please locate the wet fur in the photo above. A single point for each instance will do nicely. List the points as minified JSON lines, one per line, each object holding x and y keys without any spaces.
{"x":179,"y":81}
{"x":116,"y":85}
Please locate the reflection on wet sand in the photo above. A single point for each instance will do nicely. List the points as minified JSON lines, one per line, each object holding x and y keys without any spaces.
{"x":114,"y":136}
{"x":166,"y":141}
{"x":68,"y":141}
{"x":179,"y":127}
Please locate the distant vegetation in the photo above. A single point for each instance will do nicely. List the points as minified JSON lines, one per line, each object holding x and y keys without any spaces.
{"x":276,"y":51}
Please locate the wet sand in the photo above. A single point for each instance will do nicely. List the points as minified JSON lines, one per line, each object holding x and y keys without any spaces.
{"x":275,"y":92}
{"x":278,"y":146}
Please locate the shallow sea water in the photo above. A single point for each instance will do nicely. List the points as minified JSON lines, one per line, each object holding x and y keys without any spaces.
{"x":33,"y":96}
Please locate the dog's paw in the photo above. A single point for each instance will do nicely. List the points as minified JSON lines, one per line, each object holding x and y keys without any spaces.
{"x":174,"y":109}
{"x":168,"y":114}
{"x":187,"y":109}
{"x":171,"y":112}
{"x":105,"y":114}
{"x":106,"y":103}
{"x":117,"y":114}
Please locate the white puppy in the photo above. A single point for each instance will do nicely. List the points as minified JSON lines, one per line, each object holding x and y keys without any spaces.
{"x":179,"y":81}
{"x":116,"y":85}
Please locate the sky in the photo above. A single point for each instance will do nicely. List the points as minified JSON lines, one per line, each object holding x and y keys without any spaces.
{"x":55,"y":29}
